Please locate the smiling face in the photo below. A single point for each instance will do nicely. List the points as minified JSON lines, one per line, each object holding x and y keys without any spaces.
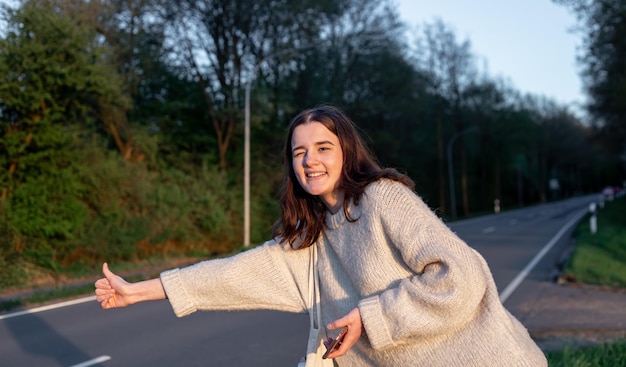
{"x":317,"y":160}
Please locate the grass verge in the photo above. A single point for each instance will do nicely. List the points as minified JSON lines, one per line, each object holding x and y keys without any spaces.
{"x":606,"y":355}
{"x":132,"y":272}
{"x":598,"y":259}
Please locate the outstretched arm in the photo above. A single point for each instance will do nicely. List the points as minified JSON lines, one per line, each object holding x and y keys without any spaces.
{"x":113,"y":291}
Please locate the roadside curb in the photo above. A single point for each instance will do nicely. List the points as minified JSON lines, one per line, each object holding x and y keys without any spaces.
{"x":550,"y":340}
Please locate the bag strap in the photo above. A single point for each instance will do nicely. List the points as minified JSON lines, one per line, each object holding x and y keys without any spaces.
{"x":315,"y":346}
{"x":314,"y":292}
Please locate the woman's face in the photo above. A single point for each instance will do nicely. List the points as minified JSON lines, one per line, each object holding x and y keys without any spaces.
{"x":317,"y":160}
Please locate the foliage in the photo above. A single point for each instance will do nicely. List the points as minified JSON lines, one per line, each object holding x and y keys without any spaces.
{"x":603,"y":58}
{"x":67,"y":201}
{"x":48,"y":94}
{"x":605,"y":355}
{"x":121,"y":122}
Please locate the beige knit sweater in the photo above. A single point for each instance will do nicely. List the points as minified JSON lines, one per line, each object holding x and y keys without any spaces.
{"x":425,"y":297}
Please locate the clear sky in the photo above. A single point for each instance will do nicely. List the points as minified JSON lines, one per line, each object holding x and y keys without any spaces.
{"x":528,"y":42}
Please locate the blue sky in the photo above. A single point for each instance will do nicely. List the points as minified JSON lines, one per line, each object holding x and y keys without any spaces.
{"x":530,"y":43}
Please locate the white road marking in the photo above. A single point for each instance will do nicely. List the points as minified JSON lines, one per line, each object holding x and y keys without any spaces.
{"x":91,"y":362}
{"x":520,"y":277}
{"x":88,"y":363}
{"x":489,"y":230}
{"x":48,"y":307}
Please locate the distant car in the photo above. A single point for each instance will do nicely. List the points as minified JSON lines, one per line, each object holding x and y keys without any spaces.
{"x":608,"y":193}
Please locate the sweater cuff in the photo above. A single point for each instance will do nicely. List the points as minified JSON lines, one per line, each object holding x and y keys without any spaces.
{"x":176,"y":293}
{"x":373,"y":319}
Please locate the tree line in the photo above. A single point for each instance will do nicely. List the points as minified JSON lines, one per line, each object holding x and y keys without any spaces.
{"x":122,"y":122}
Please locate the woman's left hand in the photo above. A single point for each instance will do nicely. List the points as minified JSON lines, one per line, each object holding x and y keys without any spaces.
{"x":355,"y":328}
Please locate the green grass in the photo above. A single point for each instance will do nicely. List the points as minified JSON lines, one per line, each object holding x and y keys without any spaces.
{"x":600,"y":258}
{"x":607,"y":355}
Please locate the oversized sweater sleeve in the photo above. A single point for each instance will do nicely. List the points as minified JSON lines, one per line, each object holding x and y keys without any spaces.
{"x":271,"y":276}
{"x":448,"y":279}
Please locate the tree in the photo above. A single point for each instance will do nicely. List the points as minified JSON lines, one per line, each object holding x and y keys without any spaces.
{"x":604,"y":64}
{"x":114,"y":27}
{"x":55,"y":82}
{"x":485,"y":107}
{"x":451,"y":69}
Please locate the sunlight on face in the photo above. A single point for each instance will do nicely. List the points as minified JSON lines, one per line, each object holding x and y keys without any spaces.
{"x":317,"y":160}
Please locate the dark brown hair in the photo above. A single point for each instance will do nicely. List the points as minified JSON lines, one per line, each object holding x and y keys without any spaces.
{"x":302,"y":214}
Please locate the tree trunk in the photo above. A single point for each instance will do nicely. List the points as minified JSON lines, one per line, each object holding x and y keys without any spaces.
{"x":114,"y":118}
{"x":13,"y":165}
{"x":464,"y":193}
{"x":224,"y":125}
{"x":440,"y":159}
{"x":224,"y":131}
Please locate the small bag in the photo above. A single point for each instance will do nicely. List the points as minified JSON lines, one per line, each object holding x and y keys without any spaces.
{"x":315,"y":345}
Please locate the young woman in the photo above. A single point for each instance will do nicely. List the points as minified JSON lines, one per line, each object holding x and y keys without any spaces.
{"x":356,"y":247}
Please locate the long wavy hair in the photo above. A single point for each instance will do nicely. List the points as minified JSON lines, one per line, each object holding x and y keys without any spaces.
{"x":302,"y":214}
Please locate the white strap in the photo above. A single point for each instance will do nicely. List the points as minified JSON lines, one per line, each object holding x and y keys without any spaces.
{"x":315,"y":346}
{"x":314,"y":292}
{"x":312,"y":284}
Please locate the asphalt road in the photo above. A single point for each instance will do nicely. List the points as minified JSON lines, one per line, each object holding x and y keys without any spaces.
{"x":520,"y":246}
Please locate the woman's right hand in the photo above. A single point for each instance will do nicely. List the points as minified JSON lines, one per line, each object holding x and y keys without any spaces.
{"x":112,"y":291}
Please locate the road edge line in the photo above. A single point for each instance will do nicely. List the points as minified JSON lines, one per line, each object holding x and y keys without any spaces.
{"x":48,"y":307}
{"x":524,"y":273}
{"x":92,"y":362}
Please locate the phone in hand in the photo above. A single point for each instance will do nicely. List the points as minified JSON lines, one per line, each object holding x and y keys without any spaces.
{"x":332,"y":344}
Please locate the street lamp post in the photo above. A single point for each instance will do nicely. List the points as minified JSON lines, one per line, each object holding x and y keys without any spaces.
{"x":450,"y":168}
{"x":246,"y":168}
{"x":246,"y":148}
